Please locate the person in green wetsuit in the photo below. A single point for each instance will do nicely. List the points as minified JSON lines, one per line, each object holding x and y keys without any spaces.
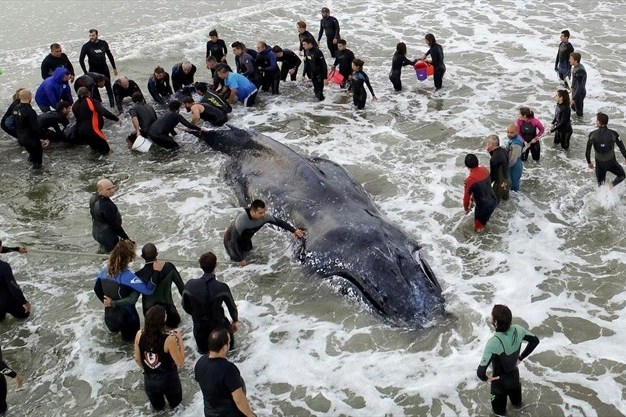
{"x":503,"y":353}
{"x":163,"y":292}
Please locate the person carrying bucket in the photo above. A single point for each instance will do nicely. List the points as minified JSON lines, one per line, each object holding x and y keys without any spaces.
{"x":436,"y":55}
{"x":398,"y":61}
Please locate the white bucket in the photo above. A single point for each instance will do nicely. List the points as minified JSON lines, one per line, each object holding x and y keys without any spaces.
{"x":142,"y":144}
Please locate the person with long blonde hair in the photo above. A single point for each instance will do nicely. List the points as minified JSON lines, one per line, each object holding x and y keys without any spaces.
{"x":8,"y":120}
{"x":118,"y":288}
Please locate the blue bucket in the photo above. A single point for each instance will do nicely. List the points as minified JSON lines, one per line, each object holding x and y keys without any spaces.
{"x":420,"y":73}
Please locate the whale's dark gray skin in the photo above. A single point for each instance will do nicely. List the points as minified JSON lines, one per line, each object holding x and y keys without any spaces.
{"x":346,"y":235}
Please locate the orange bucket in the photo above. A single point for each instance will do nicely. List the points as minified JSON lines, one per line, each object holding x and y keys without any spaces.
{"x":420,"y":66}
{"x":335,"y":77}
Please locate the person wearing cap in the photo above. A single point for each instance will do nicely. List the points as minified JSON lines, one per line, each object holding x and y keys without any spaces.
{"x":182,"y":75}
{"x":330,"y":25}
{"x":163,"y":292}
{"x":478,"y":191}
{"x":54,"y":89}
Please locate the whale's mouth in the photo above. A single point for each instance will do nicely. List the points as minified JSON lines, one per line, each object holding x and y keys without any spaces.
{"x":349,"y":285}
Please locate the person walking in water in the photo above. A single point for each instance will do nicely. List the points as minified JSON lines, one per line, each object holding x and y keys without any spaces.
{"x":478,"y":190}
{"x":603,"y":141}
{"x":398,"y":61}
{"x":562,"y":65}
{"x":503,"y":353}
{"x":357,"y":86}
{"x":515,"y":147}
{"x":330,"y":25}
{"x":436,"y":55}
{"x":159,"y":355}
{"x":498,"y":168}
{"x":531,"y":130}
{"x":238,"y":236}
{"x":106,"y":219}
{"x":579,"y":83}
{"x":97,"y":51}
{"x":562,"y":123}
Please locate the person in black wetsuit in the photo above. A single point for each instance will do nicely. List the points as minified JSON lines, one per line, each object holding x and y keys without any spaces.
{"x":245,"y":63}
{"x":315,"y":67}
{"x":55,"y":59}
{"x":343,"y":61}
{"x":238,"y":236}
{"x":562,"y":122}
{"x":182,"y":75}
{"x":8,"y":120}
{"x":163,"y":292}
{"x":160,"y":131}
{"x":122,"y":88}
{"x":106,"y":220}
{"x":562,"y":65}
{"x":436,"y":55}
{"x":498,"y":168}
{"x":12,"y":300}
{"x":202,"y":300}
{"x":28,"y":130}
{"x":398,"y":61}
{"x":89,"y":121}
{"x":142,"y":115}
{"x":358,"y":83}
{"x":159,"y":355}
{"x":204,"y":111}
{"x":223,"y":388}
{"x":216,"y":47}
{"x":209,"y":97}
{"x":579,"y":83}
{"x":268,"y":67}
{"x":6,"y":371}
{"x":304,"y":34}
{"x":290,"y":62}
{"x":159,"y":86}
{"x":97,"y":51}
{"x":603,"y":141}
{"x":503,"y":353}
{"x":331,"y":26}
{"x":92,"y":81}
{"x":53,"y":123}
{"x":212,"y":64}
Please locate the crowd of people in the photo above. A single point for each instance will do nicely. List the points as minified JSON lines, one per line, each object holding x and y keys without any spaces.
{"x":160,"y":352}
{"x":484,"y":188}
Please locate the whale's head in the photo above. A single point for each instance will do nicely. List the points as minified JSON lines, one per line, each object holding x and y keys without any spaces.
{"x":384,"y":265}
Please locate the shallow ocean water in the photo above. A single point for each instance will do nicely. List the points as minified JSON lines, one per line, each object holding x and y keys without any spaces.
{"x":554,"y":253}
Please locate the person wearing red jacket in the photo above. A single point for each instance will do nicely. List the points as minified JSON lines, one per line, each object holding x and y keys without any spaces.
{"x":478,"y":191}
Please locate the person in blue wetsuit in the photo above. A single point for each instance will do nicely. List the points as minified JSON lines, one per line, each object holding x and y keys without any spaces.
{"x":267,"y":65}
{"x":503,"y":353}
{"x":118,"y":288}
{"x":357,"y":86}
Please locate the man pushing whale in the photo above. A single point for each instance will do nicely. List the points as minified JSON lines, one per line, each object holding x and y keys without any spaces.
{"x":238,"y":236}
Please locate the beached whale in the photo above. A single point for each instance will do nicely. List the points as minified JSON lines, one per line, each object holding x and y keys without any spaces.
{"x":346,"y":235}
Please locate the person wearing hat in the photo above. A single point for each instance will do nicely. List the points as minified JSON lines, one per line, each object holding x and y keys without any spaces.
{"x":330,"y":25}
{"x":163,"y":292}
{"x":478,"y":191}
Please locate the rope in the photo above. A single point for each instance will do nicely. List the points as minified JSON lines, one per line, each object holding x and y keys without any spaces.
{"x":96,"y":255}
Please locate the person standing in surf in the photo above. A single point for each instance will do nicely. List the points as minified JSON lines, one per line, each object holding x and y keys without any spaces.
{"x":562,"y":65}
{"x":398,"y":61}
{"x":579,"y":83}
{"x":531,"y":130}
{"x":97,"y":51}
{"x":357,"y":86}
{"x":5,"y":370}
{"x":436,"y":55}
{"x":562,"y":123}
{"x":515,"y":147}
{"x":603,"y":141}
{"x":498,"y":168}
{"x":478,"y":190}
{"x":503,"y":353}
